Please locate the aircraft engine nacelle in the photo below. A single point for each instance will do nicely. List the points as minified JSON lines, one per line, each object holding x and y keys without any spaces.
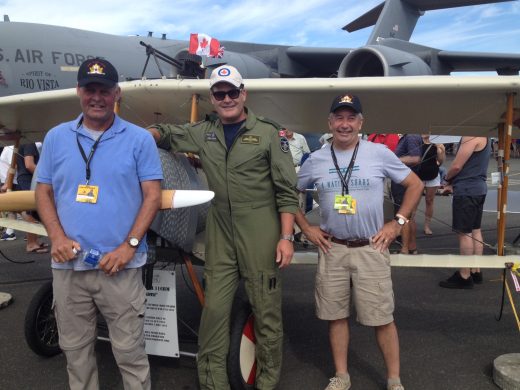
{"x":372,"y":61}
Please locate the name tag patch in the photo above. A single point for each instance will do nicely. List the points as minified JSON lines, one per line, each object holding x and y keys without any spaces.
{"x":211,"y":137}
{"x":250,"y":139}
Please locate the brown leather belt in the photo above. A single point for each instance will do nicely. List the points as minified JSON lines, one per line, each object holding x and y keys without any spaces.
{"x":359,"y":242}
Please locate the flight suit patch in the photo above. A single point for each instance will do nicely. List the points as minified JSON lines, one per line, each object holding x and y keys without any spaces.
{"x":284,"y":144}
{"x":211,"y":137}
{"x":250,"y":139}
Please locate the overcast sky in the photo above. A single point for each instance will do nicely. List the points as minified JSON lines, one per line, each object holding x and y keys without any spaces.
{"x":492,"y":27}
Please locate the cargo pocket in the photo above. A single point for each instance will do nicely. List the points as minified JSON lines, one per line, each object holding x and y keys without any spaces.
{"x":385,"y":309}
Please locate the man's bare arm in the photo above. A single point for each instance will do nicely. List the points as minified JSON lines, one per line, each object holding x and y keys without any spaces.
{"x":313,"y":233}
{"x":62,"y":246}
{"x":467,"y":146}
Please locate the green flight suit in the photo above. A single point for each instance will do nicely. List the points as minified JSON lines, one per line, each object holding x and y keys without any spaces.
{"x":253,"y":182}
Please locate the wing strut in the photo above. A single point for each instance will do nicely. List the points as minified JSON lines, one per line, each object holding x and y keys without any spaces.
{"x":505,"y":131}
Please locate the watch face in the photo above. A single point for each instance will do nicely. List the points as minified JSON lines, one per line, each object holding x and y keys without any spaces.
{"x":133,"y":242}
{"x":400,"y":221}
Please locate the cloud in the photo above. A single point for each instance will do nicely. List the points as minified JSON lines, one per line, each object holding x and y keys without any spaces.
{"x":475,"y":28}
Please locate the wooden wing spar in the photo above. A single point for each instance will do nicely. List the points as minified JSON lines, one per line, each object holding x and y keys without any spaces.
{"x":455,"y":105}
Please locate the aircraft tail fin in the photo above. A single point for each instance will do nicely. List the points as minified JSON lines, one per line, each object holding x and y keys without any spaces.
{"x":397,"y":18}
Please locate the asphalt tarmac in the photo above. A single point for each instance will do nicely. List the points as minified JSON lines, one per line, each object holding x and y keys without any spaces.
{"x":448,"y":338}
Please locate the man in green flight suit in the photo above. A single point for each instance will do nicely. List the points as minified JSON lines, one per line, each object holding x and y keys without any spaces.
{"x":248,"y":165}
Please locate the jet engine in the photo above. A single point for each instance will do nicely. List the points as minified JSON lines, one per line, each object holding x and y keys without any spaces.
{"x":374,"y":60}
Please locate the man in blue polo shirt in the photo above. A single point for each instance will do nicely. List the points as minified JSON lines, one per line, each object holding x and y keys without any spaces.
{"x":98,"y":191}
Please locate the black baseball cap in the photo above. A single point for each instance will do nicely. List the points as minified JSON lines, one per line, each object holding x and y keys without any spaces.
{"x":97,"y":70}
{"x":351,"y":101}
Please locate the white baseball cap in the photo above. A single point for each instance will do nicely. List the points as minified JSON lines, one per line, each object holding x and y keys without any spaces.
{"x":226,"y":74}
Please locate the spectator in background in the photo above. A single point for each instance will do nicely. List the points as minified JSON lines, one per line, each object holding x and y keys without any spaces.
{"x":409,"y":151}
{"x":27,"y":158}
{"x":431,"y":186}
{"x":390,"y":140}
{"x":297,"y":145}
{"x":5,"y":164}
{"x":467,"y":175}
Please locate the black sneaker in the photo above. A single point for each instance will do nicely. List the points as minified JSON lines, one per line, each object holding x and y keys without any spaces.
{"x":477,"y":277}
{"x":457,"y":281}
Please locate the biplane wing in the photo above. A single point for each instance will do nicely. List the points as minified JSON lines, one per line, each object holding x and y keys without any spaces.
{"x":438,"y":104}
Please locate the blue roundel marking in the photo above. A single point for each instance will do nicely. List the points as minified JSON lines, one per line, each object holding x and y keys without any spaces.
{"x":224,"y":72}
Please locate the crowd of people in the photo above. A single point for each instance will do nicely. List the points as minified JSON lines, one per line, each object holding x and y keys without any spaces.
{"x":256,"y":169}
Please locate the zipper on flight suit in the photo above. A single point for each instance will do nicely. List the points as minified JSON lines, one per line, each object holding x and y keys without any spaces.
{"x":239,"y":132}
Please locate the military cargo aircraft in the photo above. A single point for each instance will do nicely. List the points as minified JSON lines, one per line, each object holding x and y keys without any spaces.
{"x":36,"y":57}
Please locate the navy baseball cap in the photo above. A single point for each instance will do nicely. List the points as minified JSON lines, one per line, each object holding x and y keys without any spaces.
{"x":97,"y":70}
{"x":351,"y":101}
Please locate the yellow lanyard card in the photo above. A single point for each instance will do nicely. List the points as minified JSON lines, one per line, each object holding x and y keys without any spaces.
{"x":87,"y":194}
{"x":345,"y":204}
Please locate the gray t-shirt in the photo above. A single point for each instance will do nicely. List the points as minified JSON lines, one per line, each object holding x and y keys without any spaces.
{"x":373,"y":163}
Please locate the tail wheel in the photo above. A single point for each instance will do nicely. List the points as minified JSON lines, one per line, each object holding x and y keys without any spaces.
{"x":242,"y":358}
{"x":41,"y":330}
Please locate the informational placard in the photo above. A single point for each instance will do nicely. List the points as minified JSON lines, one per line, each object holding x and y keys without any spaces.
{"x":160,"y":322}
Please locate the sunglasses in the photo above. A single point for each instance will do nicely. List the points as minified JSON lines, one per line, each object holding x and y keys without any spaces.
{"x":232,"y":93}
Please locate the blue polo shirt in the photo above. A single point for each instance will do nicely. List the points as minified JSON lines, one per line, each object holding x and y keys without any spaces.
{"x":125,"y":156}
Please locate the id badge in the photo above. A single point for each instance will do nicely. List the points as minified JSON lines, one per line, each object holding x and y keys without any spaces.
{"x":87,"y":194}
{"x":345,"y":204}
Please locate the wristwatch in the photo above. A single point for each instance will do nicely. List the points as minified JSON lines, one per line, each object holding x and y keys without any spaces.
{"x":401,"y":221}
{"x":288,"y":237}
{"x":133,"y":242}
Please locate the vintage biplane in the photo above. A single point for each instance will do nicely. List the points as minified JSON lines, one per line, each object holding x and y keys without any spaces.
{"x":425,"y":100}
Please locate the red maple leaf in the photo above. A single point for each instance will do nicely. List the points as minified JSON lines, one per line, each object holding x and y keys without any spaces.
{"x":204,"y":43}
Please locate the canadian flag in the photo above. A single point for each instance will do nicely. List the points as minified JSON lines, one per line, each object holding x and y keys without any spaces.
{"x":204,"y":45}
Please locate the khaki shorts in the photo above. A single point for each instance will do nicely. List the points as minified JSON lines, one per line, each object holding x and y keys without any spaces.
{"x":369,"y":271}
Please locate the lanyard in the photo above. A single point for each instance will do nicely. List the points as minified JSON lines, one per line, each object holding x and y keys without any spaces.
{"x":91,"y":154}
{"x":344,"y":178}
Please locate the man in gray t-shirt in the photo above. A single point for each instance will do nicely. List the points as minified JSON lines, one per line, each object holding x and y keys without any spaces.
{"x":352,"y":237}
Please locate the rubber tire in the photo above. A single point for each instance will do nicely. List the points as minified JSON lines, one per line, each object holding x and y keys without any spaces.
{"x":241,"y":315}
{"x":41,"y":330}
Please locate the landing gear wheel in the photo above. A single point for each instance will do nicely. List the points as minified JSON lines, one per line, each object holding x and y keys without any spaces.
{"x":241,"y":360}
{"x":41,"y":330}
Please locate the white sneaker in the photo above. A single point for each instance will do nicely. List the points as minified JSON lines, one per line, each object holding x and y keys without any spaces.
{"x":395,"y":386}
{"x":338,"y":383}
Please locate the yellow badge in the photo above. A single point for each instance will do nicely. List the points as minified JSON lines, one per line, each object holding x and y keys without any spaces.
{"x":87,"y":194}
{"x":345,"y":204}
